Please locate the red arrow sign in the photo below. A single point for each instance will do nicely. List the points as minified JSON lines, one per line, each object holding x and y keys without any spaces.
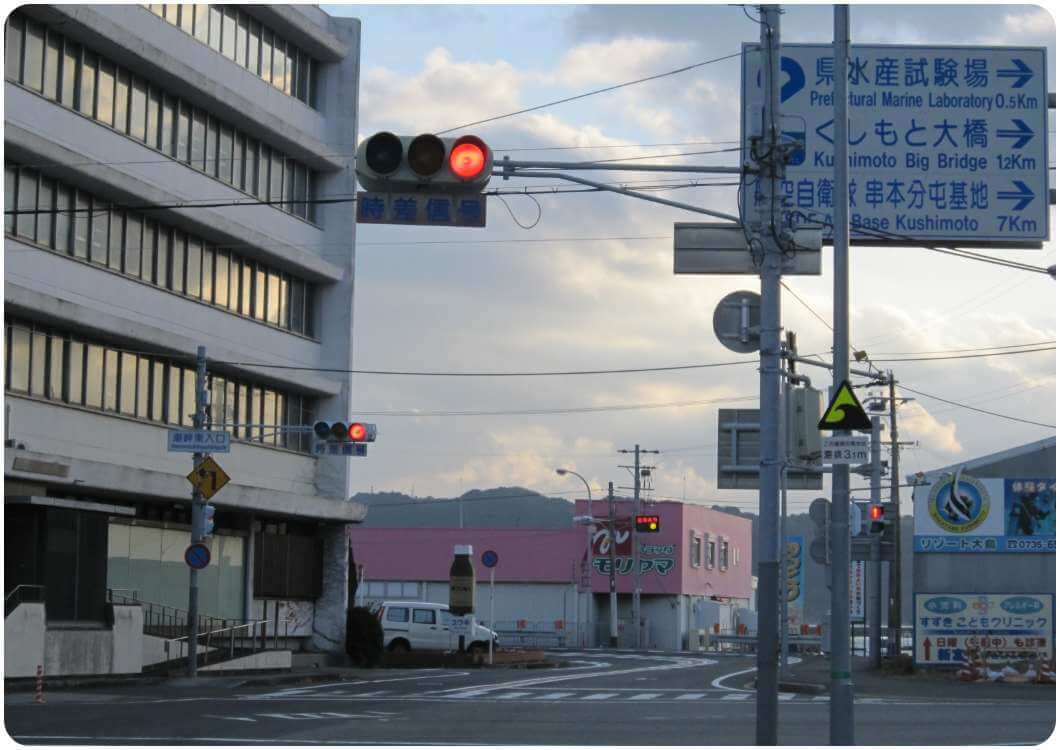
{"x":927,"y":649}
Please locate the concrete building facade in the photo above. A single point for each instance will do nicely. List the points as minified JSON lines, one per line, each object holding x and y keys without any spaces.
{"x":174,"y":178}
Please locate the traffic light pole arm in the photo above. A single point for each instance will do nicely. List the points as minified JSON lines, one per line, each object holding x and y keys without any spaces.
{"x":508,"y":167}
{"x":621,"y":191}
{"x":864,"y":373}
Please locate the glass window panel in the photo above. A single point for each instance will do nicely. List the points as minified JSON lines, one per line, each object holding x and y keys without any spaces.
{"x":251,"y":182}
{"x":215,"y":27}
{"x":263,"y":172}
{"x":63,"y":218}
{"x":110,"y":380}
{"x":117,"y":218}
{"x":143,"y":387}
{"x":302,"y":86}
{"x":75,"y":367}
{"x":241,"y":40}
{"x":280,"y":435}
{"x":187,"y":19}
{"x":255,"y":412}
{"x":33,"y":62}
{"x":46,"y":202}
{"x":10,"y":182}
{"x":82,"y":219}
{"x":207,"y":274}
{"x":198,"y":139}
{"x":183,"y":131}
{"x":211,"y":146}
{"x":229,"y":415}
{"x":224,"y":154}
{"x":173,"y":395}
{"x":279,"y":62}
{"x":193,"y":275}
{"x":172,"y":12}
{"x":310,"y":193}
{"x":13,"y":48}
{"x":100,"y":225}
{"x":288,"y":76}
{"x":94,"y":376}
{"x":87,"y":99}
{"x":309,"y":311}
{"x":165,"y":240}
{"x":269,"y":416}
{"x":288,"y":187}
{"x":105,"y":106}
{"x":18,"y":359}
{"x":133,"y":244}
{"x":228,"y":34}
{"x":138,"y":110}
{"x":27,"y":201}
{"x":158,"y":391}
{"x":266,"y":55}
{"x":169,"y":113}
{"x":220,"y":286}
{"x":237,"y":160}
{"x":121,"y":101}
{"x":276,"y":177}
{"x":56,"y":356}
{"x":254,"y":47}
{"x":202,"y":23}
{"x":217,"y":401}
{"x":299,"y":172}
{"x":51,"y":66}
{"x":233,"y":284}
{"x":292,"y":415}
{"x":158,"y":9}
{"x":259,"y":294}
{"x":285,"y":291}
{"x":154,"y":104}
{"x":147,"y":264}
{"x":247,"y":287}
{"x":297,"y":303}
{"x":188,"y":399}
{"x":273,"y":306}
{"x":176,"y":262}
{"x":127,"y":403}
{"x":38,"y":363}
{"x":71,"y":53}
{"x":311,"y":82}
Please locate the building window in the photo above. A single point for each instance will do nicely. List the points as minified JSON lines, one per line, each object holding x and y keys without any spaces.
{"x":234,"y":34}
{"x":129,"y":243}
{"x":39,"y":361}
{"x":711,"y":551}
{"x":111,"y":95}
{"x":695,"y":549}
{"x":723,"y":553}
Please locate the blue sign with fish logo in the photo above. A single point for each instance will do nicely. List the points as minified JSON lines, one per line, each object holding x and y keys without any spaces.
{"x":958,"y":504}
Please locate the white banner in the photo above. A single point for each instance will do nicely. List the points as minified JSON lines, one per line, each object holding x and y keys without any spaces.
{"x":857,"y":590}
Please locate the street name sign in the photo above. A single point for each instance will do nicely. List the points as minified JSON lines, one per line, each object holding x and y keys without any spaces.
{"x":845,"y":449}
{"x":331,"y":448}
{"x":947,"y":143}
{"x":422,"y":209}
{"x":199,"y":441}
{"x":208,"y":477}
{"x":712,"y":248}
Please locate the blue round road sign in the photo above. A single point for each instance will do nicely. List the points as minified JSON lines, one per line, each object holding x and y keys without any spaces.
{"x":197,"y":556}
{"x":489,"y":558}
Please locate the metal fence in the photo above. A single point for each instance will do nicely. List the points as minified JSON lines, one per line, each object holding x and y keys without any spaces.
{"x":536,"y":633}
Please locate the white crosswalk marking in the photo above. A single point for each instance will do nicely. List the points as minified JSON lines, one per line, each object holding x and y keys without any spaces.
{"x":689,"y":696}
{"x":516,"y":694}
{"x":785,"y":696}
{"x":599,"y":696}
{"x":553,"y":696}
{"x":736,"y":697}
{"x":821,"y":698}
{"x":366,"y":695}
{"x":644,"y":696}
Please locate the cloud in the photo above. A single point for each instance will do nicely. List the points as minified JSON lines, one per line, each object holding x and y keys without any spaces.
{"x":618,"y":60}
{"x":917,"y":423}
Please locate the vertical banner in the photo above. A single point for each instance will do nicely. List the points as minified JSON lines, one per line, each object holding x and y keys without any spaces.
{"x":857,"y":591}
{"x":794,"y":580}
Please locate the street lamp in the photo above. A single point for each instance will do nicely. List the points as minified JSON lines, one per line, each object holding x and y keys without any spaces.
{"x":587,"y":521}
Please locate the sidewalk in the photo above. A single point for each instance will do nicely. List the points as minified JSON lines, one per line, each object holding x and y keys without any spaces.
{"x":815,"y":670}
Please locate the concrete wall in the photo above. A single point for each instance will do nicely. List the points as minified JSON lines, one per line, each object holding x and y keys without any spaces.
{"x":261,"y":660}
{"x":24,"y":640}
{"x":76,"y":650}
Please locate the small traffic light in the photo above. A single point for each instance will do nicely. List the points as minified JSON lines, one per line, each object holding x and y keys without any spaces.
{"x":345,"y":432}
{"x":647,"y":524}
{"x":389,"y":163}
{"x":878,"y":521}
{"x":208,"y":512}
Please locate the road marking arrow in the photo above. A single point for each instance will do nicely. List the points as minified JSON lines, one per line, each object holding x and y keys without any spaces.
{"x":1021,"y":73}
{"x":1021,"y":135}
{"x":1023,"y":195}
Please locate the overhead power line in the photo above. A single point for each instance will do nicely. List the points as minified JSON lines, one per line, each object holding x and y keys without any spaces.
{"x":560,"y":410}
{"x":969,"y":356}
{"x":974,"y":408}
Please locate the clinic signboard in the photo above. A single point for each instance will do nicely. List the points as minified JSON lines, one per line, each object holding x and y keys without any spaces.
{"x":960,"y":513}
{"x":946,"y":143}
{"x":1002,"y":627}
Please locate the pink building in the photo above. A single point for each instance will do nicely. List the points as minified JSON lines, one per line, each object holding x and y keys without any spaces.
{"x":695,"y":571}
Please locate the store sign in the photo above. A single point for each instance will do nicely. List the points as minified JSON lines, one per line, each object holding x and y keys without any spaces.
{"x":959,"y":513}
{"x":795,"y":579}
{"x":999,"y":626}
{"x":659,"y":558}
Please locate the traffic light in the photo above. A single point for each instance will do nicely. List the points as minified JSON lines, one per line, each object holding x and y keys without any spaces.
{"x":647,"y":524}
{"x":208,"y":512}
{"x":878,"y":521}
{"x":388,"y":163}
{"x":821,"y":544}
{"x":345,"y":432}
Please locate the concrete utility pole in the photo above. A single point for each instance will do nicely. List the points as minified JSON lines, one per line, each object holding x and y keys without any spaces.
{"x":767,"y":233}
{"x":894,"y":617}
{"x":841,"y":705}
{"x":611,"y":545}
{"x":784,"y":561}
{"x":637,"y":633}
{"x":876,"y":599}
{"x":199,"y":422}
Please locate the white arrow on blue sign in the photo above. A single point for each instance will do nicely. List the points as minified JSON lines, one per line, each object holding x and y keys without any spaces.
{"x":947,"y":144}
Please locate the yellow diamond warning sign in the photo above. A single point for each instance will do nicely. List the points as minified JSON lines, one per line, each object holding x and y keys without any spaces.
{"x":208,"y":477}
{"x":844,"y":411}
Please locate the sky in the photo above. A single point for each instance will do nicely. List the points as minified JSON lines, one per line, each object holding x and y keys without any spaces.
{"x":589,"y":284}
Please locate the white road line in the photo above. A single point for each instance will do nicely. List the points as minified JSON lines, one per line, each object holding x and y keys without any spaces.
{"x":55,"y":738}
{"x":822,"y":698}
{"x":736,"y":697}
{"x":365,"y":695}
{"x":643,"y":696}
{"x":516,"y":694}
{"x":689,"y":696}
{"x":553,"y":696}
{"x":785,"y":696}
{"x":599,"y":696}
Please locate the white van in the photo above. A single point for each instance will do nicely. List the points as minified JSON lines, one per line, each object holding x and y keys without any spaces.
{"x":425,"y":625}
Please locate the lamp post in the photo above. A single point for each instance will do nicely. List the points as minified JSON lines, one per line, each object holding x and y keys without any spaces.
{"x":587,"y":521}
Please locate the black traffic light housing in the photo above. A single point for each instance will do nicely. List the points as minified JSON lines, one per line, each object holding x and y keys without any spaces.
{"x":647,"y":524}
{"x":878,"y":520}
{"x":389,"y":163}
{"x":345,"y":432}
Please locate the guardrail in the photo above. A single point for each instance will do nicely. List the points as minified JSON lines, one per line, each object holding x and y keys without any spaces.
{"x":227,"y":643}
{"x":535,"y":633}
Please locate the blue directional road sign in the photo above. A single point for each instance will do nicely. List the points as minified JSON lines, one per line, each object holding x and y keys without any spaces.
{"x":947,"y":144}
{"x":197,"y":556}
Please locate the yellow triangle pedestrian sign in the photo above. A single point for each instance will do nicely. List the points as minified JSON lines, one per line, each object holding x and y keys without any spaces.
{"x":844,"y":411}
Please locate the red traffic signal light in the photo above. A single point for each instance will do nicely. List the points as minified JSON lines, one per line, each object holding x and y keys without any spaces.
{"x":875,"y":512}
{"x":342,"y":432}
{"x":647,"y":524}
{"x":467,"y":160}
